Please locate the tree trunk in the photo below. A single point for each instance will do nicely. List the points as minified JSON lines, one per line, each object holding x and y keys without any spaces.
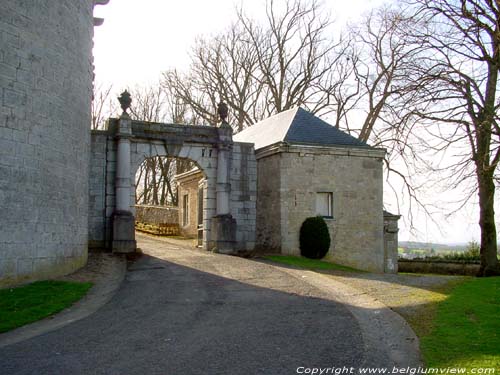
{"x":489,"y":260}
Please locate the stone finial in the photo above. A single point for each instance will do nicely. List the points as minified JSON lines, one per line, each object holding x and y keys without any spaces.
{"x":222,"y":110}
{"x":125,"y":100}
{"x":97,"y":20}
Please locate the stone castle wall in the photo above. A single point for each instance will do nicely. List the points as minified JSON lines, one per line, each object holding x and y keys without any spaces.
{"x":46,"y":90}
{"x":354,"y":176}
{"x":99,"y":223}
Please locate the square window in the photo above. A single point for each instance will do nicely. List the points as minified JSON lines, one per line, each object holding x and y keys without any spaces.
{"x":324,"y":204}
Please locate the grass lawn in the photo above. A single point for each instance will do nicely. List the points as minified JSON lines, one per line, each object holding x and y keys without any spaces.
{"x":310,"y":264}
{"x":466,"y":328}
{"x":32,"y":302}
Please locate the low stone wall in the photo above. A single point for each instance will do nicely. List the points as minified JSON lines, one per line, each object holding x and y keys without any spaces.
{"x":156,"y":214}
{"x":158,"y":229}
{"x":442,"y":267}
{"x":159,"y":220}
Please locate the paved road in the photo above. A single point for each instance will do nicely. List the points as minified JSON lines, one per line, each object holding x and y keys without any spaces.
{"x":183,"y":311}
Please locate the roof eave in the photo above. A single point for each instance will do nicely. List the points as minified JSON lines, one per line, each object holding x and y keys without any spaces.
{"x":345,"y":150}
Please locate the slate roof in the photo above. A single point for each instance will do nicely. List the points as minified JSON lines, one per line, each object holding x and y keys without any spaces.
{"x":296,"y":126}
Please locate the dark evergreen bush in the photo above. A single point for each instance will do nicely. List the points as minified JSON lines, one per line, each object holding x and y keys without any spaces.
{"x":314,"y":238}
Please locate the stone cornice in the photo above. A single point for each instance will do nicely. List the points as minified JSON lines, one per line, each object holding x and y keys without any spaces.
{"x":193,"y":174}
{"x":282,"y":147}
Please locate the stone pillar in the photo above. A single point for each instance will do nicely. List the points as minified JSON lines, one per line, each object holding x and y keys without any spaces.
{"x":391,"y":242}
{"x":223,"y":224}
{"x":122,"y":179}
{"x":123,"y":220}
{"x":223,"y":185}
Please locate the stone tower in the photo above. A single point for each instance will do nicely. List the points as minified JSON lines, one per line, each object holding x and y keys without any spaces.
{"x":46,"y":75}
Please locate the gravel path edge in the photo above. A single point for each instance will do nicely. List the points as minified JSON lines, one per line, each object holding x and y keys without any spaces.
{"x":384,"y":331}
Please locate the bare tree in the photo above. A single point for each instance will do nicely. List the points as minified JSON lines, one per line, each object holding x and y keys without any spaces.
{"x":342,"y":86}
{"x":372,"y":91}
{"x":295,"y":55}
{"x":458,"y":88}
{"x":154,"y":182}
{"x":261,"y":69}
{"x":264,"y":69}
{"x":197,"y":93}
{"x":223,"y":67}
{"x":231,"y":65}
{"x":149,"y":104}
{"x":103,"y":106}
{"x":384,"y":69}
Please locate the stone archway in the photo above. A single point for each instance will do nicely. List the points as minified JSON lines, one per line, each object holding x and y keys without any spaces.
{"x":230,"y":169}
{"x":204,"y":155}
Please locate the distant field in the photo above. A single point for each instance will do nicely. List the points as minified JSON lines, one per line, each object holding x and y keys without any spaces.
{"x":403,"y":250}
{"x":438,"y":247}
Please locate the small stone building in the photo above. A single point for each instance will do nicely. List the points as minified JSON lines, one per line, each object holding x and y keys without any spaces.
{"x":190,"y":202}
{"x":306,"y":167}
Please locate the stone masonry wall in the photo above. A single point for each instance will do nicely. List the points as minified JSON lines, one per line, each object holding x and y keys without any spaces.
{"x":355,"y":179}
{"x":391,"y":242}
{"x":45,"y":95}
{"x":268,"y":226}
{"x":97,"y":189}
{"x":156,"y":214}
{"x":101,"y":188}
{"x":189,"y":186}
{"x":243,"y":197}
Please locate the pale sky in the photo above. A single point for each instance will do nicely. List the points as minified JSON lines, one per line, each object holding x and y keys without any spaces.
{"x":141,"y":39}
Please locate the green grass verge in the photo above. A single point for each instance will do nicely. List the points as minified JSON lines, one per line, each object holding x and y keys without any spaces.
{"x":466,"y":329}
{"x":32,"y":302}
{"x":310,"y":264}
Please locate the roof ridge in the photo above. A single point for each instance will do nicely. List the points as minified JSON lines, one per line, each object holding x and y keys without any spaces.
{"x":308,"y":128}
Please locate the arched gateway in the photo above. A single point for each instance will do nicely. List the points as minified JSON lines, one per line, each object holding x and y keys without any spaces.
{"x":229,"y":193}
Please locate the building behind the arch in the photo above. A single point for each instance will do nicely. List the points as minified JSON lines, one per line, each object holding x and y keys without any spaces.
{"x":190,"y":191}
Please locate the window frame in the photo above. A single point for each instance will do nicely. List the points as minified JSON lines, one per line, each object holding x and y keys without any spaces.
{"x":185,"y":210}
{"x":329,"y":204}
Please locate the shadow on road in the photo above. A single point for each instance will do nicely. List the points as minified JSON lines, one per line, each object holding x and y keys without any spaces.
{"x":171,"y":319}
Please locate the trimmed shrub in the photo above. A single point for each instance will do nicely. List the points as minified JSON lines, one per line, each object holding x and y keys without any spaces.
{"x":314,"y":238}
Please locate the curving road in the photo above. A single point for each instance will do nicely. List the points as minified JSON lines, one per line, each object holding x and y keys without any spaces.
{"x":182,"y":311}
